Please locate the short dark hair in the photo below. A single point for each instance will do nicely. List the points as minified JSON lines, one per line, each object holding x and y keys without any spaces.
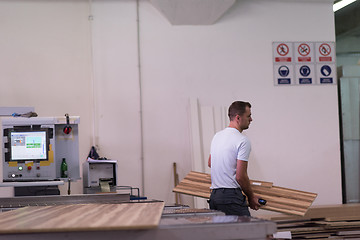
{"x":237,"y":108}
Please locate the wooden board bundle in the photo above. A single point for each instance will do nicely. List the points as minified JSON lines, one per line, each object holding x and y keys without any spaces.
{"x":82,"y":217}
{"x":278,"y":199}
{"x":333,"y":222}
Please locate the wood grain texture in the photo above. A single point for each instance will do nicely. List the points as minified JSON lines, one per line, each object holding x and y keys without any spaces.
{"x":82,"y":217}
{"x":338,"y":212}
{"x":332,"y":221}
{"x":279,"y":199}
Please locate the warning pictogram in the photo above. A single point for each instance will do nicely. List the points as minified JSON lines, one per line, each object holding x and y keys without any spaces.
{"x":304,"y":49}
{"x":282,"y":49}
{"x":305,"y":74}
{"x":326,"y":74}
{"x":283,"y":71}
{"x":325,"y":52}
{"x":304,"y":52}
{"x":325,"y":70}
{"x":283,"y":74}
{"x":305,"y":71}
{"x":325,"y":49}
{"x":282,"y":52}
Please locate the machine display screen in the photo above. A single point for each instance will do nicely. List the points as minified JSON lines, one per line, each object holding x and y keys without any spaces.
{"x":28,"y":145}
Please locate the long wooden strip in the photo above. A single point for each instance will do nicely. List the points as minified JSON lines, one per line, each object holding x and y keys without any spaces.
{"x":287,"y":211}
{"x":298,"y":192}
{"x":281,"y":192}
{"x":202,"y":184}
{"x":286,"y":201}
{"x":192,"y":193}
{"x":206,"y":175}
{"x":195,"y":189}
{"x":198,"y":179}
{"x":283,"y":206}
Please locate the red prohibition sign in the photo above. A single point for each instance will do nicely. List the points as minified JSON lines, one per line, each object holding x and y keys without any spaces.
{"x":325,"y":49}
{"x":304,"y":49}
{"x":282,"y":49}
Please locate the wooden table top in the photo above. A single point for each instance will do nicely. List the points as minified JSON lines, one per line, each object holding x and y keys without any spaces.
{"x":82,"y":217}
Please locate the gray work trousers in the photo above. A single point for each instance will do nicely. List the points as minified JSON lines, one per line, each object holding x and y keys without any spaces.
{"x":231,"y":201}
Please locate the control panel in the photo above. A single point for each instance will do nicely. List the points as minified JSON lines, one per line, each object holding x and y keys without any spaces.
{"x":29,"y":171}
{"x":33,"y":148}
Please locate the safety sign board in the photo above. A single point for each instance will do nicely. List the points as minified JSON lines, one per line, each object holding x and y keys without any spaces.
{"x":325,"y":52}
{"x":283,"y":74}
{"x":304,"y":63}
{"x":326,"y":73}
{"x":282,"y":52}
{"x":304,"y":52}
{"x":305,"y":74}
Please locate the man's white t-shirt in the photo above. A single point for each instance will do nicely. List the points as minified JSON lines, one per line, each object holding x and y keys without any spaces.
{"x":227,"y":146}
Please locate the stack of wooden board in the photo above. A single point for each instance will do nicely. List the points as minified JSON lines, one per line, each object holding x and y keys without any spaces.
{"x":322,"y":222}
{"x":278,"y":199}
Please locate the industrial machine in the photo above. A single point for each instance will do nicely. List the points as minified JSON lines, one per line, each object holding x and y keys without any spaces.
{"x":33,"y":148}
{"x":99,"y":175}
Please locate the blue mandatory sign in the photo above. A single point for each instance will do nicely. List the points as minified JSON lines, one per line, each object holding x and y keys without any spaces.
{"x":325,"y":70}
{"x":283,"y":71}
{"x":305,"y":71}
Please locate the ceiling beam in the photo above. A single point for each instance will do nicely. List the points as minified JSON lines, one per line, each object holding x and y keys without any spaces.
{"x":192,"y":12}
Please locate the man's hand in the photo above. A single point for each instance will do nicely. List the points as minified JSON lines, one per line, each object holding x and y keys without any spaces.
{"x":254,"y":203}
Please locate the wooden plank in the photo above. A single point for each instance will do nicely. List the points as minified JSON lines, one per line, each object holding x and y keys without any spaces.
{"x":283,"y":210}
{"x":191,"y":192}
{"x":279,"y":199}
{"x":281,"y":192}
{"x":330,"y":212}
{"x":340,"y":224}
{"x":343,"y":218}
{"x":195,"y":189}
{"x":82,"y":217}
{"x":284,"y":203}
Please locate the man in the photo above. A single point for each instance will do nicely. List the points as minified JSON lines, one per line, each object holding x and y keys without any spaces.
{"x":228,"y":160}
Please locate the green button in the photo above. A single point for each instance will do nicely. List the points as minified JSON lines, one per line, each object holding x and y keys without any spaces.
{"x":20,"y":168}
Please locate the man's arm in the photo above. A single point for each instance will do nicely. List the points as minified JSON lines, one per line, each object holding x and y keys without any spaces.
{"x":209,"y":161}
{"x":243,"y":179}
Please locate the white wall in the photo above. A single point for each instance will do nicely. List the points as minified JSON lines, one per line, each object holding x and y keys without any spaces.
{"x":295,"y":132}
{"x":45,"y":61}
{"x":117,"y":93}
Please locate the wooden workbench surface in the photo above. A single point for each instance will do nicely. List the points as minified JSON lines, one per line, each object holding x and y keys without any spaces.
{"x":82,"y":217}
